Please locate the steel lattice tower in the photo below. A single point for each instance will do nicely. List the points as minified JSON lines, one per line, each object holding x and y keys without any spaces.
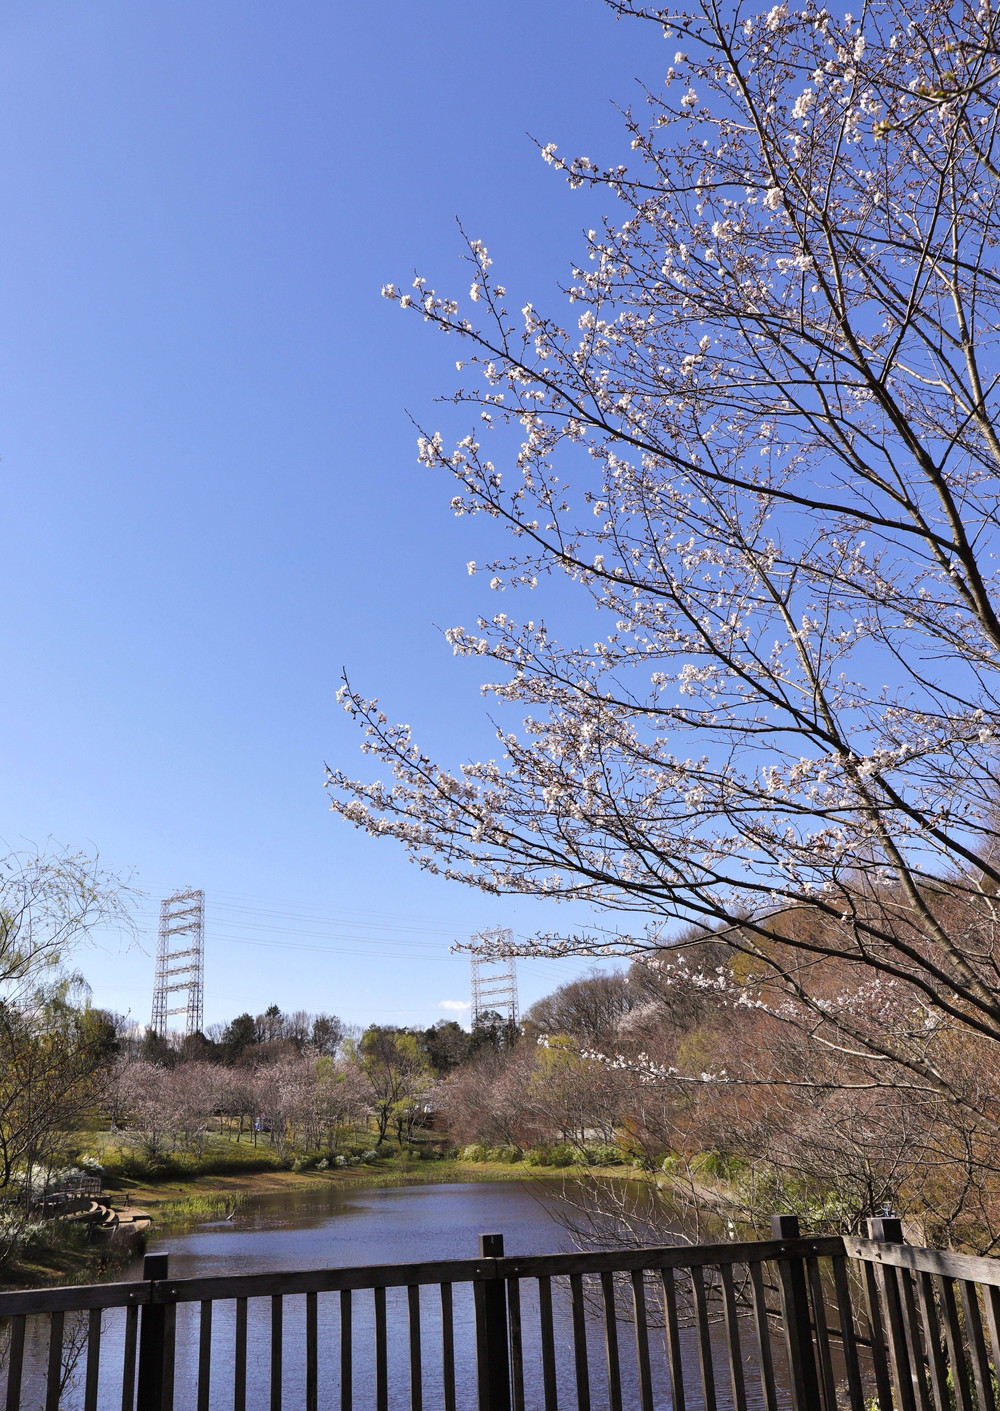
{"x":494,"y":982}
{"x":182,"y":922}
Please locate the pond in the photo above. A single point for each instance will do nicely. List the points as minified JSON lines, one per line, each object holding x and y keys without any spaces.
{"x":331,"y":1226}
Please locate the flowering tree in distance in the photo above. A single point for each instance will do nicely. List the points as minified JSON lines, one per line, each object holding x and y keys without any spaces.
{"x":763,"y":442}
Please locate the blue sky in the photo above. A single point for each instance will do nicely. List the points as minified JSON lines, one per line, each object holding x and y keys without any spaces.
{"x":211,"y":500}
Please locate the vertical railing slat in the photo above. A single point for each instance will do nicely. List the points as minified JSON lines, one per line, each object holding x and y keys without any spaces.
{"x":240,"y":1357}
{"x":642,"y":1339}
{"x":936,"y":1361}
{"x":611,"y":1355}
{"x":977,"y":1346}
{"x":128,"y":1357}
{"x":205,"y":1356}
{"x":671,"y":1333}
{"x":53,"y":1376}
{"x":346,"y":1352}
{"x":704,"y":1338}
{"x":277,"y":1312}
{"x":992,"y":1299}
{"x":733,"y":1338}
{"x":169,"y":1354}
{"x":516,"y":1347}
{"x":381,"y":1353}
{"x":918,"y":1357}
{"x":876,"y":1328}
{"x":312,"y":1353}
{"x":821,"y":1333}
{"x":413,"y":1327}
{"x":961,"y":1389}
{"x":549,"y":1383}
{"x":899,"y":1361}
{"x":848,"y":1336}
{"x":448,"y":1346}
{"x":15,"y":1362}
{"x":93,"y":1372}
{"x":580,"y":1342}
{"x":762,"y":1327}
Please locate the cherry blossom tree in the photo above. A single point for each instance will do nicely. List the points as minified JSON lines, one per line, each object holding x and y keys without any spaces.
{"x":758,"y":441}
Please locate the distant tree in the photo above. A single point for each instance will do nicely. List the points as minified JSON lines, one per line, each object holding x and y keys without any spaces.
{"x":296,"y":1029}
{"x":342,"y":1097}
{"x":197,"y":1048}
{"x":157,"y":1048}
{"x":104,"y":1032}
{"x":447,"y":1045}
{"x":394,"y":1068}
{"x":142,"y":1107}
{"x":492,"y":1031}
{"x":54,"y":1058}
{"x":487,"y":1099}
{"x":239,"y":1035}
{"x":239,"y":1097}
{"x":589,"y":1009}
{"x":270,"y":1025}
{"x":326,"y":1034}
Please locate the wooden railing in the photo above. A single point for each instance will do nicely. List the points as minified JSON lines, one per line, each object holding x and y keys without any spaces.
{"x":808,"y":1324}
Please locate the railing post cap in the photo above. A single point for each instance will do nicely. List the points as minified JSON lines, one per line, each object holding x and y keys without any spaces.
{"x":491,"y":1246}
{"x":785,"y":1227}
{"x":887,"y":1229}
{"x":155,"y":1266}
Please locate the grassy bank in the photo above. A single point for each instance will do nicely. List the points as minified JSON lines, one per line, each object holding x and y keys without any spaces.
{"x":62,"y":1254}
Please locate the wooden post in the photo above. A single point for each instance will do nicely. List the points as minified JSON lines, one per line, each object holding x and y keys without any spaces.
{"x":152,"y":1343}
{"x":492,"y":1349}
{"x":888,"y":1229}
{"x":795,"y":1318}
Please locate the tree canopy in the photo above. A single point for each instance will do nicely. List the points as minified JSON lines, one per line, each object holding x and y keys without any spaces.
{"x":760,"y":440}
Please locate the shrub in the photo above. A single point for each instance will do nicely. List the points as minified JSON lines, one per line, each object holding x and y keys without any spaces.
{"x":601,"y":1154}
{"x":139,"y":1166}
{"x":558,"y":1154}
{"x":718,"y":1166}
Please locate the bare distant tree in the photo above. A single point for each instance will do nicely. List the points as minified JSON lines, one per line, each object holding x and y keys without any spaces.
{"x":590,"y":1009}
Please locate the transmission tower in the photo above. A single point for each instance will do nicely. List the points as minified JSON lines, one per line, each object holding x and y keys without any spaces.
{"x":494,"y":982}
{"x":180,"y":961}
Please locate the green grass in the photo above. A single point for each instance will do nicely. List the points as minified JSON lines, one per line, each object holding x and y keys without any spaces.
{"x":218,"y":1158}
{"x":194,"y":1209}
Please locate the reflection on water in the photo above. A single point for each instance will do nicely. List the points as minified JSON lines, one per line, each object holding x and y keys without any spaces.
{"x":328,"y":1227}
